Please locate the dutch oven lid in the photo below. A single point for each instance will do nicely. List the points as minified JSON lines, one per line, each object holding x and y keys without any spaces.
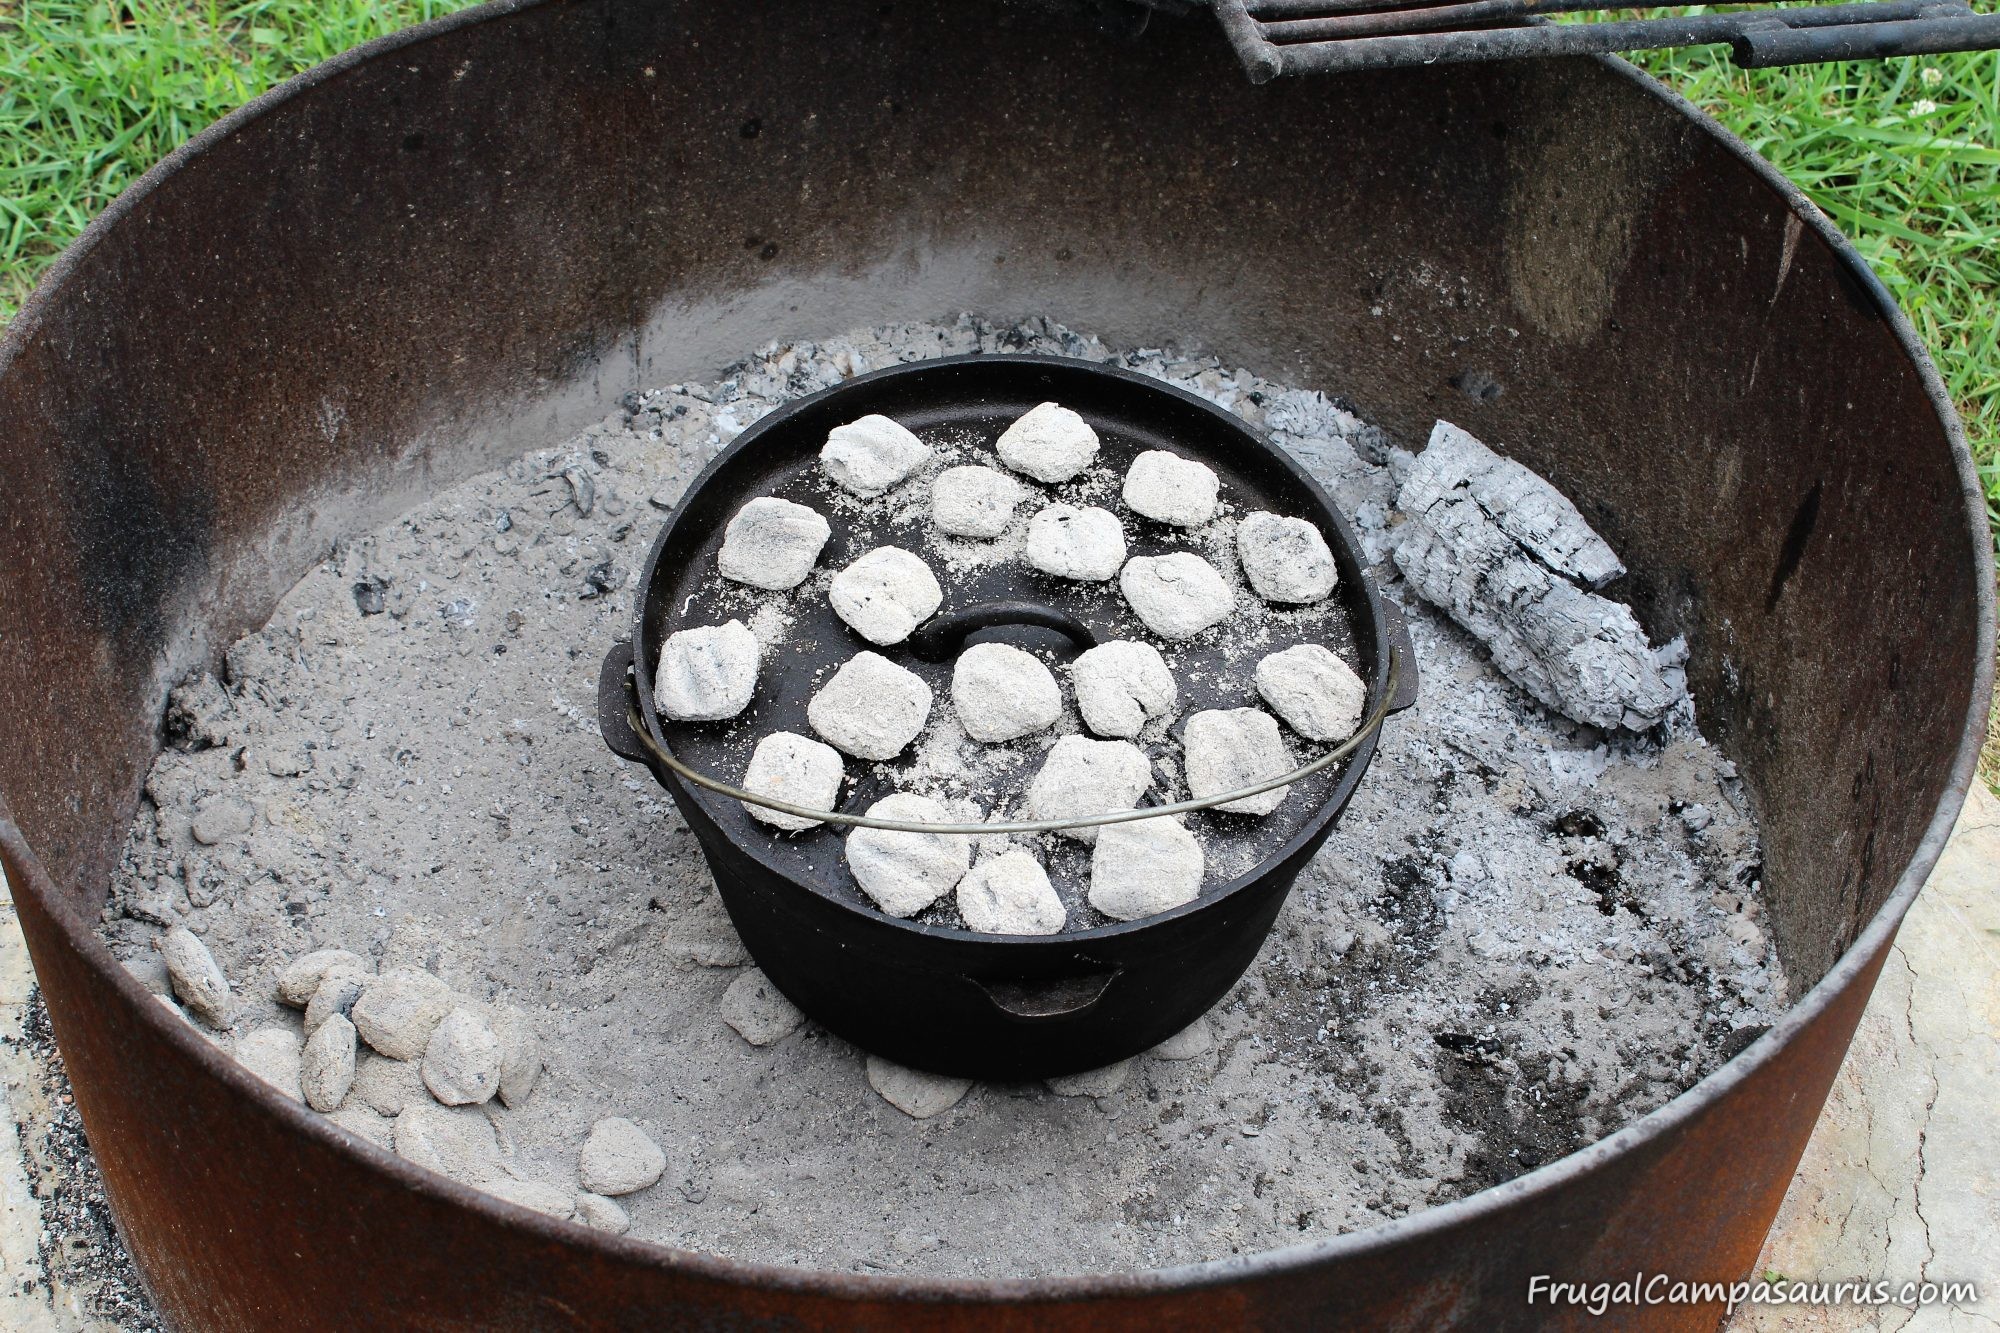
{"x":959,"y":406}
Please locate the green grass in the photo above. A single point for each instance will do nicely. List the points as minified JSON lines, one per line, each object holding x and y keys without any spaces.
{"x":1903,"y":155}
{"x":92,"y":93}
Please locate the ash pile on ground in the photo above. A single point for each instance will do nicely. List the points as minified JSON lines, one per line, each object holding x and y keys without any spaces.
{"x":1524,"y":934}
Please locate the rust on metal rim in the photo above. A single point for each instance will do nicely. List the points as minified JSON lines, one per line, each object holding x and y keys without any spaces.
{"x":95,"y":1003}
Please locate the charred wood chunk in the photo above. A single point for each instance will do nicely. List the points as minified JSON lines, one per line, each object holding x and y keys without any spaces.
{"x":1507,"y":557}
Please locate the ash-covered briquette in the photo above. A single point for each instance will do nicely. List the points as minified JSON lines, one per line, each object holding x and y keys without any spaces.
{"x":1082,"y":543}
{"x":706,"y":674}
{"x":1316,"y":693}
{"x":870,"y":708}
{"x":1170,"y":489}
{"x":905,"y":872}
{"x":1121,"y":686}
{"x":870,"y":455}
{"x":1049,"y":442}
{"x":797,"y":770}
{"x":1010,"y":894}
{"x":1178,"y":595}
{"x":1082,"y":777}
{"x":772,"y":544}
{"x":1144,"y":867}
{"x":974,"y":501}
{"x":198,"y":983}
{"x":1232,"y":748}
{"x":885,"y":594}
{"x":1003,"y":693}
{"x":1523,"y":934}
{"x":1285,"y":559}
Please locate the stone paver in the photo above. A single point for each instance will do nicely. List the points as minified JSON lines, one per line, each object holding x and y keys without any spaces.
{"x":1901,"y":1180}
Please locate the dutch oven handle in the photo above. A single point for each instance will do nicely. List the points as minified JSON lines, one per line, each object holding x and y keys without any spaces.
{"x":1041,"y":1001}
{"x":1398,"y":631}
{"x":940,"y":637}
{"x":614,"y":704}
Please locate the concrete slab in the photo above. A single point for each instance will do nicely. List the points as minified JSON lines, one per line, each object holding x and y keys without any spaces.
{"x":1901,"y":1180}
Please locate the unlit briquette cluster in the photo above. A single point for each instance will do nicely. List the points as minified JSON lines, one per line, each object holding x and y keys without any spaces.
{"x":401,"y":1060}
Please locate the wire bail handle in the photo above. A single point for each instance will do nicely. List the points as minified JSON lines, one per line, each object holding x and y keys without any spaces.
{"x":650,"y":749}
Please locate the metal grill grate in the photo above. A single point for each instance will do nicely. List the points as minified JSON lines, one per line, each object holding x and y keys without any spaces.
{"x":1279,"y":37}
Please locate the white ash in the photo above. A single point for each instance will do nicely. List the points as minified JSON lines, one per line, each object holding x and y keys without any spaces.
{"x":706,"y":674}
{"x":150,"y":971}
{"x":1170,"y":489}
{"x":272,"y":1054}
{"x":772,"y":624}
{"x":906,"y":872}
{"x":788,"y":767}
{"x":704,"y":937}
{"x":1121,"y":686}
{"x":912,"y":1091}
{"x":1083,"y":777}
{"x":869,"y":456}
{"x":221,"y":818}
{"x":1229,"y":748}
{"x":462,"y":1060}
{"x":758,"y":1010}
{"x":1086,"y":544}
{"x":1145,"y":866}
{"x":167,"y":1003}
{"x":976,"y":502}
{"x":387,"y":1087}
{"x":1100,"y":1082}
{"x":1049,"y":442}
{"x":1003,"y":693}
{"x":326,"y":1065}
{"x":1316,"y":693}
{"x":1514,"y":943}
{"x":1010,"y":894}
{"x":1178,"y":595}
{"x":1502,"y":554}
{"x":772,"y":544}
{"x":1190,"y":1043}
{"x":870,"y":708}
{"x":619,"y":1158}
{"x":1285,"y":559}
{"x":885,"y":594}
{"x":368,"y":1125}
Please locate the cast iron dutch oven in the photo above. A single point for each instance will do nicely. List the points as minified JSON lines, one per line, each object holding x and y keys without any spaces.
{"x":927,"y":995}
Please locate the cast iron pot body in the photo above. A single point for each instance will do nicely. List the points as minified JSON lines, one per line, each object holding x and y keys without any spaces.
{"x":472,"y":239}
{"x":936,"y":998}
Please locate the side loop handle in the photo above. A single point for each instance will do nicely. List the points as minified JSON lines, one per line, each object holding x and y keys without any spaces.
{"x":1404,"y":650}
{"x":616,"y":703}
{"x":1037,"y":1001}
